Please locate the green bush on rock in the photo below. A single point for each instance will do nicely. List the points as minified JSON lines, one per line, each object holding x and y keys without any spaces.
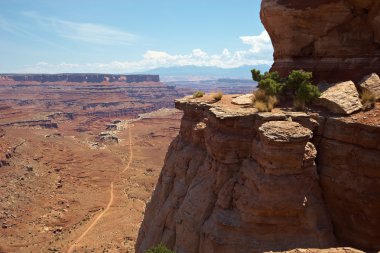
{"x":159,"y":249}
{"x":298,"y":83}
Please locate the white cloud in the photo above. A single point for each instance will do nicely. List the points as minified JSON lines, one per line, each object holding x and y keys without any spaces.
{"x":83,"y":32}
{"x":260,"y":43}
{"x":260,"y":52}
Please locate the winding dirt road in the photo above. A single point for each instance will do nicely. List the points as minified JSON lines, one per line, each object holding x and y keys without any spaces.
{"x":110,"y":202}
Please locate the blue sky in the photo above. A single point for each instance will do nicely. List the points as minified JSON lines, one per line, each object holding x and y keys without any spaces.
{"x":123,"y":36}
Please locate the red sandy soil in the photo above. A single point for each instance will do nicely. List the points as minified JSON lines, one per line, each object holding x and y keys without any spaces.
{"x":370,"y":117}
{"x":56,"y":192}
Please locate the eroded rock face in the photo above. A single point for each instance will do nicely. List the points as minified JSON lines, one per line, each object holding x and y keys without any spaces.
{"x":337,"y":40}
{"x":239,"y":181}
{"x":340,"y":98}
{"x":237,"y":184}
{"x":349,"y":165}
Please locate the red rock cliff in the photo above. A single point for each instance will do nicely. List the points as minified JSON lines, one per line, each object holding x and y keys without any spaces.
{"x":236,"y":180}
{"x":338,"y":40}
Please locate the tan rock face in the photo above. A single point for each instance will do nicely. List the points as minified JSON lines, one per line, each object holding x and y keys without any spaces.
{"x":341,"y":98}
{"x":372,"y":84}
{"x":337,"y":40}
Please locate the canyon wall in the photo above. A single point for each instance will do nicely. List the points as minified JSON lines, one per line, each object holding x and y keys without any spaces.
{"x":78,"y":78}
{"x":46,"y":104}
{"x":338,"y":40}
{"x":235,"y":180}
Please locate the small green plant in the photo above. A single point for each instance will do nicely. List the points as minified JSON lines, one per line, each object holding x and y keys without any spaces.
{"x":368,"y":99}
{"x":198,"y":94}
{"x":159,"y":249}
{"x":217,"y":96}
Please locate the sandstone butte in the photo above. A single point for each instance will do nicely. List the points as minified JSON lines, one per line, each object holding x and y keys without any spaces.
{"x":238,"y":181}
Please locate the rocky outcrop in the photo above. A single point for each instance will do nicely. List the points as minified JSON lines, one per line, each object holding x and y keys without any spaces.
{"x":340,"y":98}
{"x":79,"y":78}
{"x":337,"y":40}
{"x":372,"y":84}
{"x":107,"y":138}
{"x":235,"y":180}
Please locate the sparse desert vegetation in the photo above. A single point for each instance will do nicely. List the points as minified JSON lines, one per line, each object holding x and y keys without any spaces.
{"x":264,"y":102}
{"x":271,"y":85}
{"x":159,"y":249}
{"x":217,"y":96}
{"x":368,"y":99}
{"x":198,"y":94}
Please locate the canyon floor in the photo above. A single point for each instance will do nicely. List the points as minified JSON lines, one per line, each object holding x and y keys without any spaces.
{"x":58,"y":185}
{"x":77,"y":163}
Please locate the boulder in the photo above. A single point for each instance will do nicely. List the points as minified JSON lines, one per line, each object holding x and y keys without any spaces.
{"x":245,"y":100}
{"x":107,"y":138}
{"x":372,"y":84}
{"x":340,"y":98}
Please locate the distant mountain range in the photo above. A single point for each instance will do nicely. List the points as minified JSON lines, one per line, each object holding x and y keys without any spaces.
{"x":195,"y":73}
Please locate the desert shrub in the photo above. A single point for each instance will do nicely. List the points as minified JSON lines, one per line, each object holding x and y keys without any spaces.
{"x":368,"y":99}
{"x":256,"y":75}
{"x":261,"y":106}
{"x":259,"y":95}
{"x":305,"y":93}
{"x":274,"y":75}
{"x":159,"y":249}
{"x":298,"y":77}
{"x":299,"y":82}
{"x":270,"y":86}
{"x":217,"y":96}
{"x":270,"y":82}
{"x":198,"y":94}
{"x":264,"y":102}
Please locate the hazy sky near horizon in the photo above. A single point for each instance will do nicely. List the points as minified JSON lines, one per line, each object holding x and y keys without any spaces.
{"x":125,"y":36}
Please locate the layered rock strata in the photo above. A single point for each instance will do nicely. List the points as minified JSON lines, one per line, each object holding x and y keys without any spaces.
{"x":337,"y":40}
{"x":235,"y":180}
{"x":78,"y":78}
